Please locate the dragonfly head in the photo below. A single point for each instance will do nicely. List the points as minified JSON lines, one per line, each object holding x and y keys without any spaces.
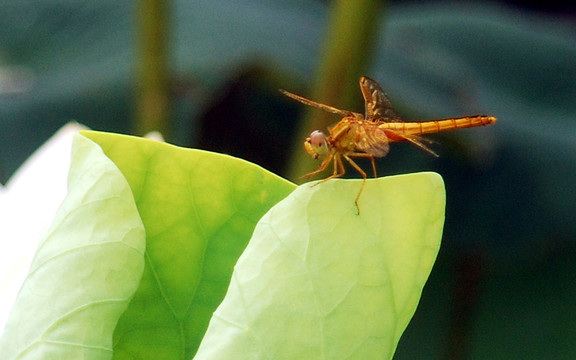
{"x":316,"y":144}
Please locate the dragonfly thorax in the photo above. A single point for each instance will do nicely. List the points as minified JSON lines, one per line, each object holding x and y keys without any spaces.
{"x":316,"y":144}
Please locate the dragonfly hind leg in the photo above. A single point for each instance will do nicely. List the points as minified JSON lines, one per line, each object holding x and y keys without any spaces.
{"x":362,"y":172}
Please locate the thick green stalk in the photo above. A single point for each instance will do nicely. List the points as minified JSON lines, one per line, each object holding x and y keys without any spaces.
{"x":350,"y":38}
{"x":152,"y":95}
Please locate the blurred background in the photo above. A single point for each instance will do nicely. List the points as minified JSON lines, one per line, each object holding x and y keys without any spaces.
{"x":207,"y":73}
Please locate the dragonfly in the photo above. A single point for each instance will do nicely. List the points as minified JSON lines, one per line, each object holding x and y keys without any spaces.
{"x":369,"y":135}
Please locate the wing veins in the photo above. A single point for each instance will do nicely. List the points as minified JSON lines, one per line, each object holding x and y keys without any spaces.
{"x":315,"y":104}
{"x":377,"y":105}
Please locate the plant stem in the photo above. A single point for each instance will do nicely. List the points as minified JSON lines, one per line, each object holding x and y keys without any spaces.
{"x":152,"y":95}
{"x":350,"y":35}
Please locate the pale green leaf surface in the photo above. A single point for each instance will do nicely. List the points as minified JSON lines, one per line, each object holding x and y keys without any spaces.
{"x":199,"y":210}
{"x":85,"y":271}
{"x":318,"y":281}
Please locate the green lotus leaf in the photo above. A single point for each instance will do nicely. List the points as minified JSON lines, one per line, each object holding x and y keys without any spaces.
{"x":84,"y":272}
{"x":142,"y":252}
{"x":319,"y":281}
{"x":199,"y":210}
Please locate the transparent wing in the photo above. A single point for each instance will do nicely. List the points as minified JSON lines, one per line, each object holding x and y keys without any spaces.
{"x":377,"y":104}
{"x":372,"y":140}
{"x":324,"y":107}
{"x":414,"y":139}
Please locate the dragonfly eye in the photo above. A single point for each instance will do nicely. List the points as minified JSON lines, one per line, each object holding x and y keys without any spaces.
{"x":317,"y":139}
{"x":316,"y":145}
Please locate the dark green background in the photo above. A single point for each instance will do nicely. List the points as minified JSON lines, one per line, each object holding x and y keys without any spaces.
{"x":503,"y":286}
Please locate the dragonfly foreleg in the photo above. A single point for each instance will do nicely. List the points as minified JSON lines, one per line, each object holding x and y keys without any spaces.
{"x":321,"y":168}
{"x":339,"y":170}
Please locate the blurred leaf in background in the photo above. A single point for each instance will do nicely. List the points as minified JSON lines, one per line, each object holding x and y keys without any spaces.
{"x":509,"y":234}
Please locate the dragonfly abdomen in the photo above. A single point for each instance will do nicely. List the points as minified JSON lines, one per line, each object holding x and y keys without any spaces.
{"x":434,"y":126}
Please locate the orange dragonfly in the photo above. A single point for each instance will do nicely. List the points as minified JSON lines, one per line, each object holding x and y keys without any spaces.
{"x":369,"y":135}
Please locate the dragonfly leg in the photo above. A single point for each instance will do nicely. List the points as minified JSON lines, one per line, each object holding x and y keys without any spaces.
{"x":336,"y":165}
{"x":364,"y":155}
{"x":339,"y":170}
{"x":359,"y":169}
{"x":321,"y":168}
